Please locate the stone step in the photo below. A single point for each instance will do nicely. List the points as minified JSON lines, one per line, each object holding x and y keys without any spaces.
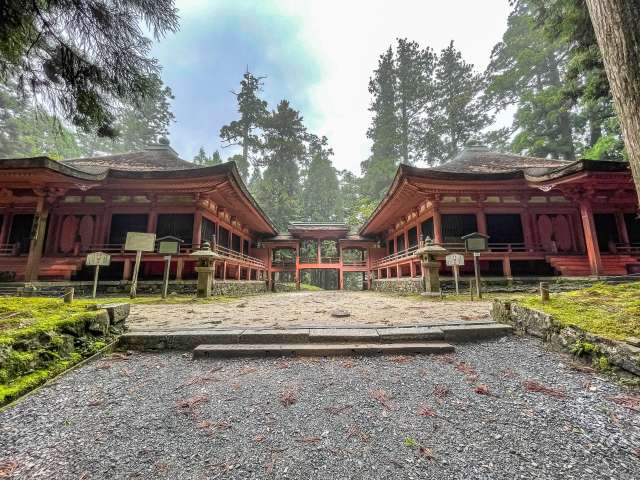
{"x":318,"y":349}
{"x":189,"y":339}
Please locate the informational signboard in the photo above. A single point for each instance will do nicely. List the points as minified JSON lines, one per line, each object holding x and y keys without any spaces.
{"x":98,"y":259}
{"x":140,"y":242}
{"x":168,"y":247}
{"x":478,"y":244}
{"x":454,"y":259}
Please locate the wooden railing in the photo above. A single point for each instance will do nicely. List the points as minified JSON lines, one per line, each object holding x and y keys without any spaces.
{"x":185,"y":249}
{"x":628,"y":248}
{"x":9,"y":249}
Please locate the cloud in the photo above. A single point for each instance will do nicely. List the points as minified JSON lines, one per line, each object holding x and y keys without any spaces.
{"x":318,"y":54}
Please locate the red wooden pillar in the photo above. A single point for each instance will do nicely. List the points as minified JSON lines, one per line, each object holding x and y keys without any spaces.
{"x":37,"y":244}
{"x":197,"y":229}
{"x":525,"y":219}
{"x":406,"y":238}
{"x":623,"y":234}
{"x":179,"y":268}
{"x":481,"y":221}
{"x":297,"y":274}
{"x":412,"y":269}
{"x":319,"y":248}
{"x":126,"y":271}
{"x":398,"y":271}
{"x":590,"y":237}
{"x":437,"y":225}
{"x":506,"y":267}
{"x":224,"y":271}
{"x":6,"y":225}
{"x":152,"y":221}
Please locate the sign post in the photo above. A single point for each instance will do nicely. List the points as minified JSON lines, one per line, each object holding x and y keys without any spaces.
{"x":98,"y":259}
{"x":138,"y":242}
{"x":168,"y":246}
{"x":455,"y":260}
{"x":475,"y":243}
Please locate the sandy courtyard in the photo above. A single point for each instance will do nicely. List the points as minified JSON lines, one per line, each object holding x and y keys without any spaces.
{"x":305,"y":309}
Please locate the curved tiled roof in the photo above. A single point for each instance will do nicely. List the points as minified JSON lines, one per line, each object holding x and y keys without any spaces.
{"x":155,"y":157}
{"x":479,"y":159}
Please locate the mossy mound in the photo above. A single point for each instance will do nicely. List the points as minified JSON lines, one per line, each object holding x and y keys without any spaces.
{"x":611,"y":311}
{"x":40,"y":337}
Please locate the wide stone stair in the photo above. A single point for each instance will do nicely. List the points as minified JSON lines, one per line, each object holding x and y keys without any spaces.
{"x":315,"y":341}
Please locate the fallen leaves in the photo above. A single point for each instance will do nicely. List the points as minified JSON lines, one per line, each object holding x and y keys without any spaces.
{"x":440,"y":391}
{"x":189,"y":403}
{"x":425,"y":411}
{"x":288,"y":397}
{"x":311,"y":440}
{"x":401,"y":359}
{"x":535,"y":386}
{"x":356,"y":432}
{"x":7,"y":467}
{"x":631,"y":402}
{"x":382,"y":397}
{"x":481,"y":389}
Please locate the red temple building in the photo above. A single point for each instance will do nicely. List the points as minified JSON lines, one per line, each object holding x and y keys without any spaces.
{"x":543,"y":217}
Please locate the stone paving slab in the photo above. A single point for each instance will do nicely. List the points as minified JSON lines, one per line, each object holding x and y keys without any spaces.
{"x":463,"y":333}
{"x":344,"y":335}
{"x":410,"y":334}
{"x":289,"y":335}
{"x":185,"y":340}
{"x":319,"y":349}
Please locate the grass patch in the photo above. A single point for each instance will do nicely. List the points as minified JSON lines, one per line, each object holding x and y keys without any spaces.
{"x":21,"y":385}
{"x":611,"y":311}
{"x":22,"y":317}
{"x":170,"y":300}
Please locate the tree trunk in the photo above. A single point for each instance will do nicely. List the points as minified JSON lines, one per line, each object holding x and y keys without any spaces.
{"x":564,"y":121}
{"x":616,"y":25}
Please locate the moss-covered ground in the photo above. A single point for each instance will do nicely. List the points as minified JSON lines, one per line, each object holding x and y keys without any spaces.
{"x":611,"y":311}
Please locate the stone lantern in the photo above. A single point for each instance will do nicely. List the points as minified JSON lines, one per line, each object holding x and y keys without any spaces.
{"x":206,"y":268}
{"x":429,"y":253}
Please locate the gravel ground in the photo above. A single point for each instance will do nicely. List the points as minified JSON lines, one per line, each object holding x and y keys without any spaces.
{"x":462,"y":416}
{"x":304,"y":309}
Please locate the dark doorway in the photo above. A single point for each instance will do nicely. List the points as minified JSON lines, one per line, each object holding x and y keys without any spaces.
{"x":390,"y":248}
{"x":235,"y":243}
{"x":207,"y":230}
{"x":179,"y":225}
{"x":245,"y":247}
{"x":122,"y":223}
{"x":505,"y":228}
{"x":223,"y":239}
{"x":354,"y":281}
{"x":455,"y":226}
{"x":427,"y":229}
{"x":400,"y":242}
{"x":413,"y":236}
{"x":21,"y":228}
{"x":606,"y":230}
{"x":633,"y":227}
{"x":325,"y":278}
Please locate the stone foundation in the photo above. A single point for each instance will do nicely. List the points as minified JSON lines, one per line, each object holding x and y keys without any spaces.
{"x":570,"y":339}
{"x":146,"y":287}
{"x":403,"y":286}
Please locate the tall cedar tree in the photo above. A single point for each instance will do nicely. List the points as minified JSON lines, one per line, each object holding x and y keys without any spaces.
{"x":460,"y":111}
{"x":616,"y":26}
{"x":526,"y":69}
{"x":253,"y":113}
{"x":279,"y":190}
{"x":585,"y":81}
{"x":321,"y":190}
{"x":83,"y":57}
{"x":379,"y":168}
{"x":415,"y":93}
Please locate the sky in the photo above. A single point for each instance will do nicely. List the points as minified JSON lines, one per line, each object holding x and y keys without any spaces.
{"x":318,"y":54}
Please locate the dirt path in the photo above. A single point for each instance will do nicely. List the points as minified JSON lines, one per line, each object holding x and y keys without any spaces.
{"x":306,"y":308}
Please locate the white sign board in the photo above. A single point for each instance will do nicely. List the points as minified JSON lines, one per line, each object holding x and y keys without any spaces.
{"x":454,"y":259}
{"x":99,"y":259}
{"x":140,"y":242}
{"x":168,"y":247}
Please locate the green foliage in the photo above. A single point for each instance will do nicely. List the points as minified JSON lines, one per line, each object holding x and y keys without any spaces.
{"x":581,"y":349}
{"x":321,"y":189}
{"x":612,"y":311}
{"x":203,"y":160}
{"x":83,"y":57}
{"x":30,"y":316}
{"x":244,"y":132}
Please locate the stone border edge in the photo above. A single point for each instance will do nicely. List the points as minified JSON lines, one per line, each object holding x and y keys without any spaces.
{"x":570,"y":339}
